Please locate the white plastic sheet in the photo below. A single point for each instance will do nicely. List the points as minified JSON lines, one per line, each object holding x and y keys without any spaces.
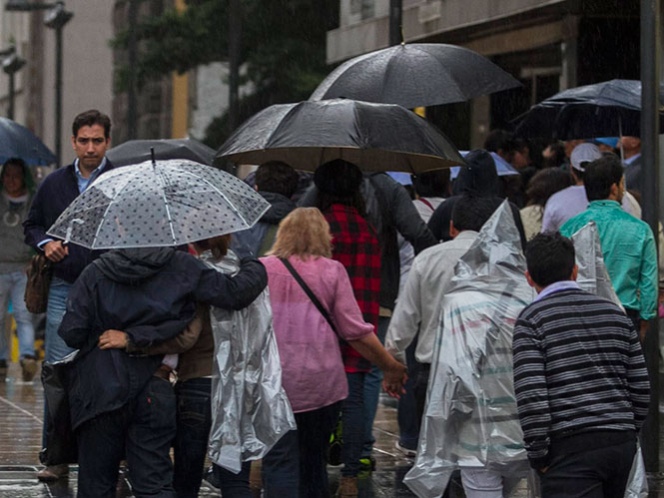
{"x":471,"y":416}
{"x":250,"y":409}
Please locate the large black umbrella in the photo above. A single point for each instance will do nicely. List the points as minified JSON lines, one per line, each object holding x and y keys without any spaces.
{"x":17,"y":141}
{"x":416,"y":74}
{"x":610,"y":108}
{"x":376,"y":137}
{"x":137,"y":151}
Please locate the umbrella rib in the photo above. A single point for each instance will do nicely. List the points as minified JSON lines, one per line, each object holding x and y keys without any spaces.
{"x":99,"y":227}
{"x":164,"y":183}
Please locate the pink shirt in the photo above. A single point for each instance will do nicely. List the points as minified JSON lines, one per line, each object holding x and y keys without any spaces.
{"x":312,"y":369}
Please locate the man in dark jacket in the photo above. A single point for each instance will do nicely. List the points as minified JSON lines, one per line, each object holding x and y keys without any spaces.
{"x":276,"y":182}
{"x":91,"y":132}
{"x":124,"y":405}
{"x":479,"y":178}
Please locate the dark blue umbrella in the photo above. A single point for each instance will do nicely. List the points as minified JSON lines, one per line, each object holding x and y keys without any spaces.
{"x":17,"y":141}
{"x":610,"y":108}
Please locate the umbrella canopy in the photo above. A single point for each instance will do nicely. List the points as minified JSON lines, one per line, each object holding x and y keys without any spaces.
{"x":416,"y":74}
{"x":376,"y":137}
{"x":18,"y":141}
{"x":610,"y":108}
{"x":137,"y":151}
{"x":167,"y":203}
{"x":503,"y":168}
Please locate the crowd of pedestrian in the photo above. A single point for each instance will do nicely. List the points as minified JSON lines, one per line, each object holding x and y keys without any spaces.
{"x":459,"y":297}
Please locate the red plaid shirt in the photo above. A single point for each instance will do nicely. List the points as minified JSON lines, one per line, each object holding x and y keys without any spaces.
{"x":355,"y":245}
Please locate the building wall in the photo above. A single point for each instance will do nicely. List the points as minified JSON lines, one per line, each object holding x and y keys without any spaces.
{"x":87,"y":67}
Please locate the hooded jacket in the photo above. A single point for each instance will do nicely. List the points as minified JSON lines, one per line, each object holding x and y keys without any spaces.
{"x":150,"y":294}
{"x":479,"y":178}
{"x":248,"y":242}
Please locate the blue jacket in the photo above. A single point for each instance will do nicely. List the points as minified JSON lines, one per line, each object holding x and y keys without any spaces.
{"x":55,"y":193}
{"x":151,"y":295}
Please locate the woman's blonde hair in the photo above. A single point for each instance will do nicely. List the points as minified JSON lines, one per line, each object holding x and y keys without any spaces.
{"x":304,"y":233}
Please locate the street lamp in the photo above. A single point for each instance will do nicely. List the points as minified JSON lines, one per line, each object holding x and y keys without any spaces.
{"x":55,"y":18}
{"x":11,"y":63}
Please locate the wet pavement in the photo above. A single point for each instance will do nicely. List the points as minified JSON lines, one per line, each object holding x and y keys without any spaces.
{"x":21,"y":406}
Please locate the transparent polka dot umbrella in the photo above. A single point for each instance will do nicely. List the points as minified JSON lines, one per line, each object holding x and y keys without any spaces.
{"x":156,"y":204}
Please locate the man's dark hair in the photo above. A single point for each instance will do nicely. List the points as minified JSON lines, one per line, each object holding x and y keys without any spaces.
{"x":600,"y":175}
{"x":550,"y":258}
{"x":277,"y":177}
{"x":470,"y":212}
{"x":432,"y":183}
{"x":90,"y":118}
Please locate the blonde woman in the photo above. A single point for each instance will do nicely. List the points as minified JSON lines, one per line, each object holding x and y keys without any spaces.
{"x":312,"y":368}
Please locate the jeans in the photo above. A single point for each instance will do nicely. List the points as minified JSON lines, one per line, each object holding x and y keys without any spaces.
{"x":142,"y":431}
{"x":297,"y":461}
{"x":407,"y":413}
{"x":55,"y":347}
{"x":190,"y":446}
{"x":353,"y":425}
{"x":372,"y":387}
{"x":12,"y":286}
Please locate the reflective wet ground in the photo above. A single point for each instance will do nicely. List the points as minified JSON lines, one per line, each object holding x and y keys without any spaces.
{"x":21,"y":406}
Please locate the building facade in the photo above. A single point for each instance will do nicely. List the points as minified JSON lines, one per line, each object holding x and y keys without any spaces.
{"x":549,"y":45}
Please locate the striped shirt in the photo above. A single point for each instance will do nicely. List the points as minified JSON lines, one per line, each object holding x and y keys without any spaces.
{"x":578,"y":367}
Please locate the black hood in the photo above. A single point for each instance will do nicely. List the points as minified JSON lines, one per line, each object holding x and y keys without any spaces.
{"x":479,"y":176}
{"x":280,"y":206}
{"x":132,"y":266}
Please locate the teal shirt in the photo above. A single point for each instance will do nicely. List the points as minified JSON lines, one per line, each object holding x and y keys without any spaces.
{"x":629,"y":253}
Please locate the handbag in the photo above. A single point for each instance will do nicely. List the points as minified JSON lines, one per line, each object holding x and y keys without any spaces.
{"x":40,"y":272}
{"x":61,"y":446}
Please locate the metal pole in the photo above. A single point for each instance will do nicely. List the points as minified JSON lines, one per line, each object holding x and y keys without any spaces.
{"x":234,"y":61}
{"x":650,"y":73}
{"x":58,"y":96}
{"x":396,"y":22}
{"x":132,"y":114}
{"x":12,"y":89}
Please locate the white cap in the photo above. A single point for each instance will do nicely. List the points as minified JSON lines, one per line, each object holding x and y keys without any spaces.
{"x":584,"y":153}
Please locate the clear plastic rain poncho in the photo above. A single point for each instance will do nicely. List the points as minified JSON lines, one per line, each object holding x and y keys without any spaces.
{"x":593,"y":277}
{"x":250,"y":409}
{"x":471,"y":415}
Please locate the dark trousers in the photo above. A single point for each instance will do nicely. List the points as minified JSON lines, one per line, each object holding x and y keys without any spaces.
{"x":353,"y":425}
{"x":297,"y":461}
{"x":142,"y":430}
{"x":194,"y":420}
{"x":596,"y":473}
{"x":407,"y":412}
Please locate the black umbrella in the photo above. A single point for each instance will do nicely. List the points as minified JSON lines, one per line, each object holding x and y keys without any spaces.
{"x":376,"y":137}
{"x":417,"y":74}
{"x":137,"y":151}
{"x":18,"y":141}
{"x":610,"y":108}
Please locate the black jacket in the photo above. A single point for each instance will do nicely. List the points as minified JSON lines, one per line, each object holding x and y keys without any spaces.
{"x":151,"y":295}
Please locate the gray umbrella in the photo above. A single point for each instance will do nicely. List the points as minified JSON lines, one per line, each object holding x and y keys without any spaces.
{"x":167,"y":203}
{"x":416,"y":74}
{"x":376,"y":137}
{"x":137,"y":151}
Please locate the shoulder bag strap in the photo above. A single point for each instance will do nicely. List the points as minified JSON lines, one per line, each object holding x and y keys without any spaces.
{"x":308,"y":292}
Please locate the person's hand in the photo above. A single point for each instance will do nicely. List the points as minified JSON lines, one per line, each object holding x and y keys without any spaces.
{"x":55,"y":251}
{"x":543,"y":469}
{"x":394,"y":379}
{"x":113,"y":339}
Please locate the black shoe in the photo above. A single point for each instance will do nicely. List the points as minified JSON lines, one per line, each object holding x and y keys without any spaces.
{"x":3,"y":370}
